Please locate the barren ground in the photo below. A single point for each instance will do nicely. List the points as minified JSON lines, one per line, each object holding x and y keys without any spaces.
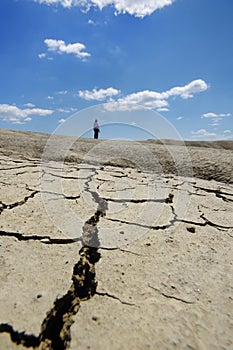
{"x":115,"y":244}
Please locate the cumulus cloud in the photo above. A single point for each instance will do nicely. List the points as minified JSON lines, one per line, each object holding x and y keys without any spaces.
{"x":61,"y":121}
{"x":146,"y":99}
{"x":98,"y":95}
{"x":136,"y":101}
{"x":64,"y":3}
{"x":188,"y":90}
{"x":137,"y":8}
{"x":203,"y":133}
{"x":61,"y":47}
{"x":17,"y":115}
{"x":215,"y":118}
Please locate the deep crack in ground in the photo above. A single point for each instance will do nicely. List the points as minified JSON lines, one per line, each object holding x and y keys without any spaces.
{"x":55,"y":329}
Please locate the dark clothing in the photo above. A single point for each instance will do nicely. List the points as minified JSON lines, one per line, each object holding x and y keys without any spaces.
{"x":96,"y":133}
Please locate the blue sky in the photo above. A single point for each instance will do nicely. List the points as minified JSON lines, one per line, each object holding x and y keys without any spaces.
{"x":129,"y":63}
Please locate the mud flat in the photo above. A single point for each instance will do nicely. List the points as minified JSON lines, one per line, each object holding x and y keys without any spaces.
{"x":115,"y":245}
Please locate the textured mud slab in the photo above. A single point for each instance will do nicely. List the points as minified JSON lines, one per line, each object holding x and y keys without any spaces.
{"x":113,"y":257}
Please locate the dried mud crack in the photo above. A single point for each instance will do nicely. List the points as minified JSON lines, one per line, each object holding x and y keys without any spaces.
{"x":16,"y":204}
{"x":55,"y":329}
{"x":171,"y":296}
{"x":43,"y":239}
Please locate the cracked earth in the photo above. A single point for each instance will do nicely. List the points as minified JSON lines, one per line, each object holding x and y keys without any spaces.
{"x":112,"y":257}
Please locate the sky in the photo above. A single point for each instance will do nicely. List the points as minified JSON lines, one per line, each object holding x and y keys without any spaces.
{"x":144,"y":68}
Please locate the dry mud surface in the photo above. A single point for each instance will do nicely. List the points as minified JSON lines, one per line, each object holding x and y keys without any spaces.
{"x":117,"y":245}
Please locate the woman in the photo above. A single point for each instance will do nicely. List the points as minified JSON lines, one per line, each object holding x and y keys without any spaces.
{"x":96,"y":129}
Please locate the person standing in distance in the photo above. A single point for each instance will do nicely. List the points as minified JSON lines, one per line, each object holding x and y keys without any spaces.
{"x":96,"y":129}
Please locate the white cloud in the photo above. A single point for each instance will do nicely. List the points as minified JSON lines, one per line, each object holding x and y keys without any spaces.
{"x":66,"y":110}
{"x":188,"y":90}
{"x":64,"y":3}
{"x":72,"y":109}
{"x":62,"y":92}
{"x":214,"y":115}
{"x":63,"y":110}
{"x":146,"y":99}
{"x":90,"y":21}
{"x":215,"y":118}
{"x":179,"y":118}
{"x":42,"y":55}
{"x":61,"y":47}
{"x":138,"y":8}
{"x":50,"y":98}
{"x":30,"y":105}
{"x":16,"y":115}
{"x":60,"y":121}
{"x":98,"y":95}
{"x":136,"y":101}
{"x":203,"y":133}
{"x":163,"y":109}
